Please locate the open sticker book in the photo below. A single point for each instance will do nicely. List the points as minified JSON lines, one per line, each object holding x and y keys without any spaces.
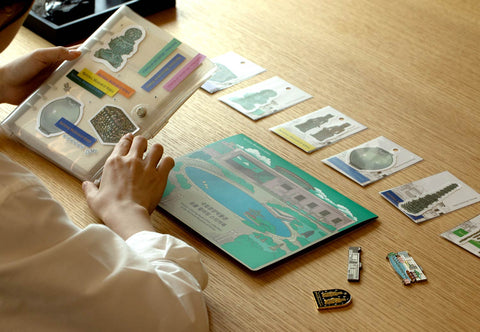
{"x":131,"y":77}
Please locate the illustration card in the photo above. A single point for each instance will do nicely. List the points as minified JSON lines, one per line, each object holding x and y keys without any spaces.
{"x":466,"y":235}
{"x":372,"y":161}
{"x":231,"y":69}
{"x":254,"y":205}
{"x":265,"y":98}
{"x":431,"y":197}
{"x":318,"y":129}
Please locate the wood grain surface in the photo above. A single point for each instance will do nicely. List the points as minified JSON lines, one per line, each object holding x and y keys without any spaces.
{"x":408,"y":70}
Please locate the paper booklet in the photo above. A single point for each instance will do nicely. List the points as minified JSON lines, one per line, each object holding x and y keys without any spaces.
{"x":255,"y":206}
{"x":131,"y":77}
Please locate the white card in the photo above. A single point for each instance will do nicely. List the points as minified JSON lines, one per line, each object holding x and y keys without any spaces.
{"x":372,"y":161}
{"x":431,"y":197}
{"x":231,"y":69}
{"x":466,"y":235}
{"x":318,"y":129}
{"x":265,"y":98}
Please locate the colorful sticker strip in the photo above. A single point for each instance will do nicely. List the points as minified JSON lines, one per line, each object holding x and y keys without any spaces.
{"x":164,"y":72}
{"x":98,"y":82}
{"x":75,"y":132}
{"x":159,"y":57}
{"x":73,"y":75}
{"x":123,"y":89}
{"x":184,"y":72}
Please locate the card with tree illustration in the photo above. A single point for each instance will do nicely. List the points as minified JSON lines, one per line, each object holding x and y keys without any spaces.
{"x":431,"y":197}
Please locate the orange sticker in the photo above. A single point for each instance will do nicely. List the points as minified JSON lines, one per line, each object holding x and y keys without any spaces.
{"x":124,"y":89}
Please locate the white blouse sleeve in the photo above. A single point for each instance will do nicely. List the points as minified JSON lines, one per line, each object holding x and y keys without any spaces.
{"x":56,"y":277}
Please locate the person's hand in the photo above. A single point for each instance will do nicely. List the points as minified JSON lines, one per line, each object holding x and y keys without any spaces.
{"x":131,"y":186}
{"x":19,"y":78}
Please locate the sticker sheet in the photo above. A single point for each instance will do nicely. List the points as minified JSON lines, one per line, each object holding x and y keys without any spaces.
{"x":265,"y":98}
{"x":431,"y":197}
{"x":372,"y":161}
{"x":231,"y":69}
{"x":131,"y":77}
{"x":318,"y":129}
{"x":466,"y":235}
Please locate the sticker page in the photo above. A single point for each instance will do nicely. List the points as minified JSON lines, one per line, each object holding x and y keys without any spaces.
{"x":372,"y":161}
{"x":231,"y":69}
{"x":466,"y":235}
{"x":431,"y":197}
{"x":265,"y":98}
{"x":318,"y":129}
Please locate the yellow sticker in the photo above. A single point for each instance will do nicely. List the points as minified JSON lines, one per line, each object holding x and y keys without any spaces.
{"x":294,"y":139}
{"x":98,"y":82}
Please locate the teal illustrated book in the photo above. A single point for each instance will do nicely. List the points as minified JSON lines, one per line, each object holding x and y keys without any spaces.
{"x":255,"y":206}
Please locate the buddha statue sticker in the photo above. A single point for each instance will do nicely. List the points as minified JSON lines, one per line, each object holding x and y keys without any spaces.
{"x":120,"y":48}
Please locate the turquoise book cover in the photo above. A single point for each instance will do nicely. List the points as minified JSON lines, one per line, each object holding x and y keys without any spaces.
{"x":255,"y":206}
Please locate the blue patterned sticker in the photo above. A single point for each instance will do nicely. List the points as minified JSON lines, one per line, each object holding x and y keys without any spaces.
{"x":74,"y":131}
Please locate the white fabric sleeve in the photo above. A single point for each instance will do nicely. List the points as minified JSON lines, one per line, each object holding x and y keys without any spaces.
{"x":161,"y":249}
{"x":56,"y":277}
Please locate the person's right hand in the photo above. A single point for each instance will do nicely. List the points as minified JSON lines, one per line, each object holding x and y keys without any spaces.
{"x":131,"y":186}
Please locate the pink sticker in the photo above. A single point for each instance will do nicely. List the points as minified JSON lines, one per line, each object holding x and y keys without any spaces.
{"x":184,"y":72}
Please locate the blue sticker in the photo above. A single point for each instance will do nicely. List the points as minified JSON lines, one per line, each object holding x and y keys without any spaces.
{"x":396,"y":200}
{"x":352,"y":172}
{"x":74,"y":131}
{"x":164,"y":72}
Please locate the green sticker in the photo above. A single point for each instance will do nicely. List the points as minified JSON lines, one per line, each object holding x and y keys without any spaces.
{"x":159,"y":57}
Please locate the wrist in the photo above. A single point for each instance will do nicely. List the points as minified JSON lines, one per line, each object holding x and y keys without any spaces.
{"x":126,"y":219}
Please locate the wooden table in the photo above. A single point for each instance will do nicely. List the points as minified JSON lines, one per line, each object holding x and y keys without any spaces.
{"x":410,"y":71}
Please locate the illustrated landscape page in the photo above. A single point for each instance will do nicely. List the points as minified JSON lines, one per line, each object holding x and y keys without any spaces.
{"x":253,"y":204}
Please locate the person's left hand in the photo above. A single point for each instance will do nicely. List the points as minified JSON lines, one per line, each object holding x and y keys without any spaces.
{"x":19,"y":78}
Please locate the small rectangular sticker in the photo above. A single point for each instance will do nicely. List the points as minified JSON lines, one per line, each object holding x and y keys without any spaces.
{"x":184,"y":72}
{"x":159,"y":57}
{"x":74,"y":131}
{"x":283,"y":132}
{"x":164,"y":72}
{"x":98,"y":82}
{"x":73,"y":75}
{"x":123,"y":89}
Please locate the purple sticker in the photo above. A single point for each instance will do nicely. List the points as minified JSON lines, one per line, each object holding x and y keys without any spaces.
{"x":163,"y":72}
